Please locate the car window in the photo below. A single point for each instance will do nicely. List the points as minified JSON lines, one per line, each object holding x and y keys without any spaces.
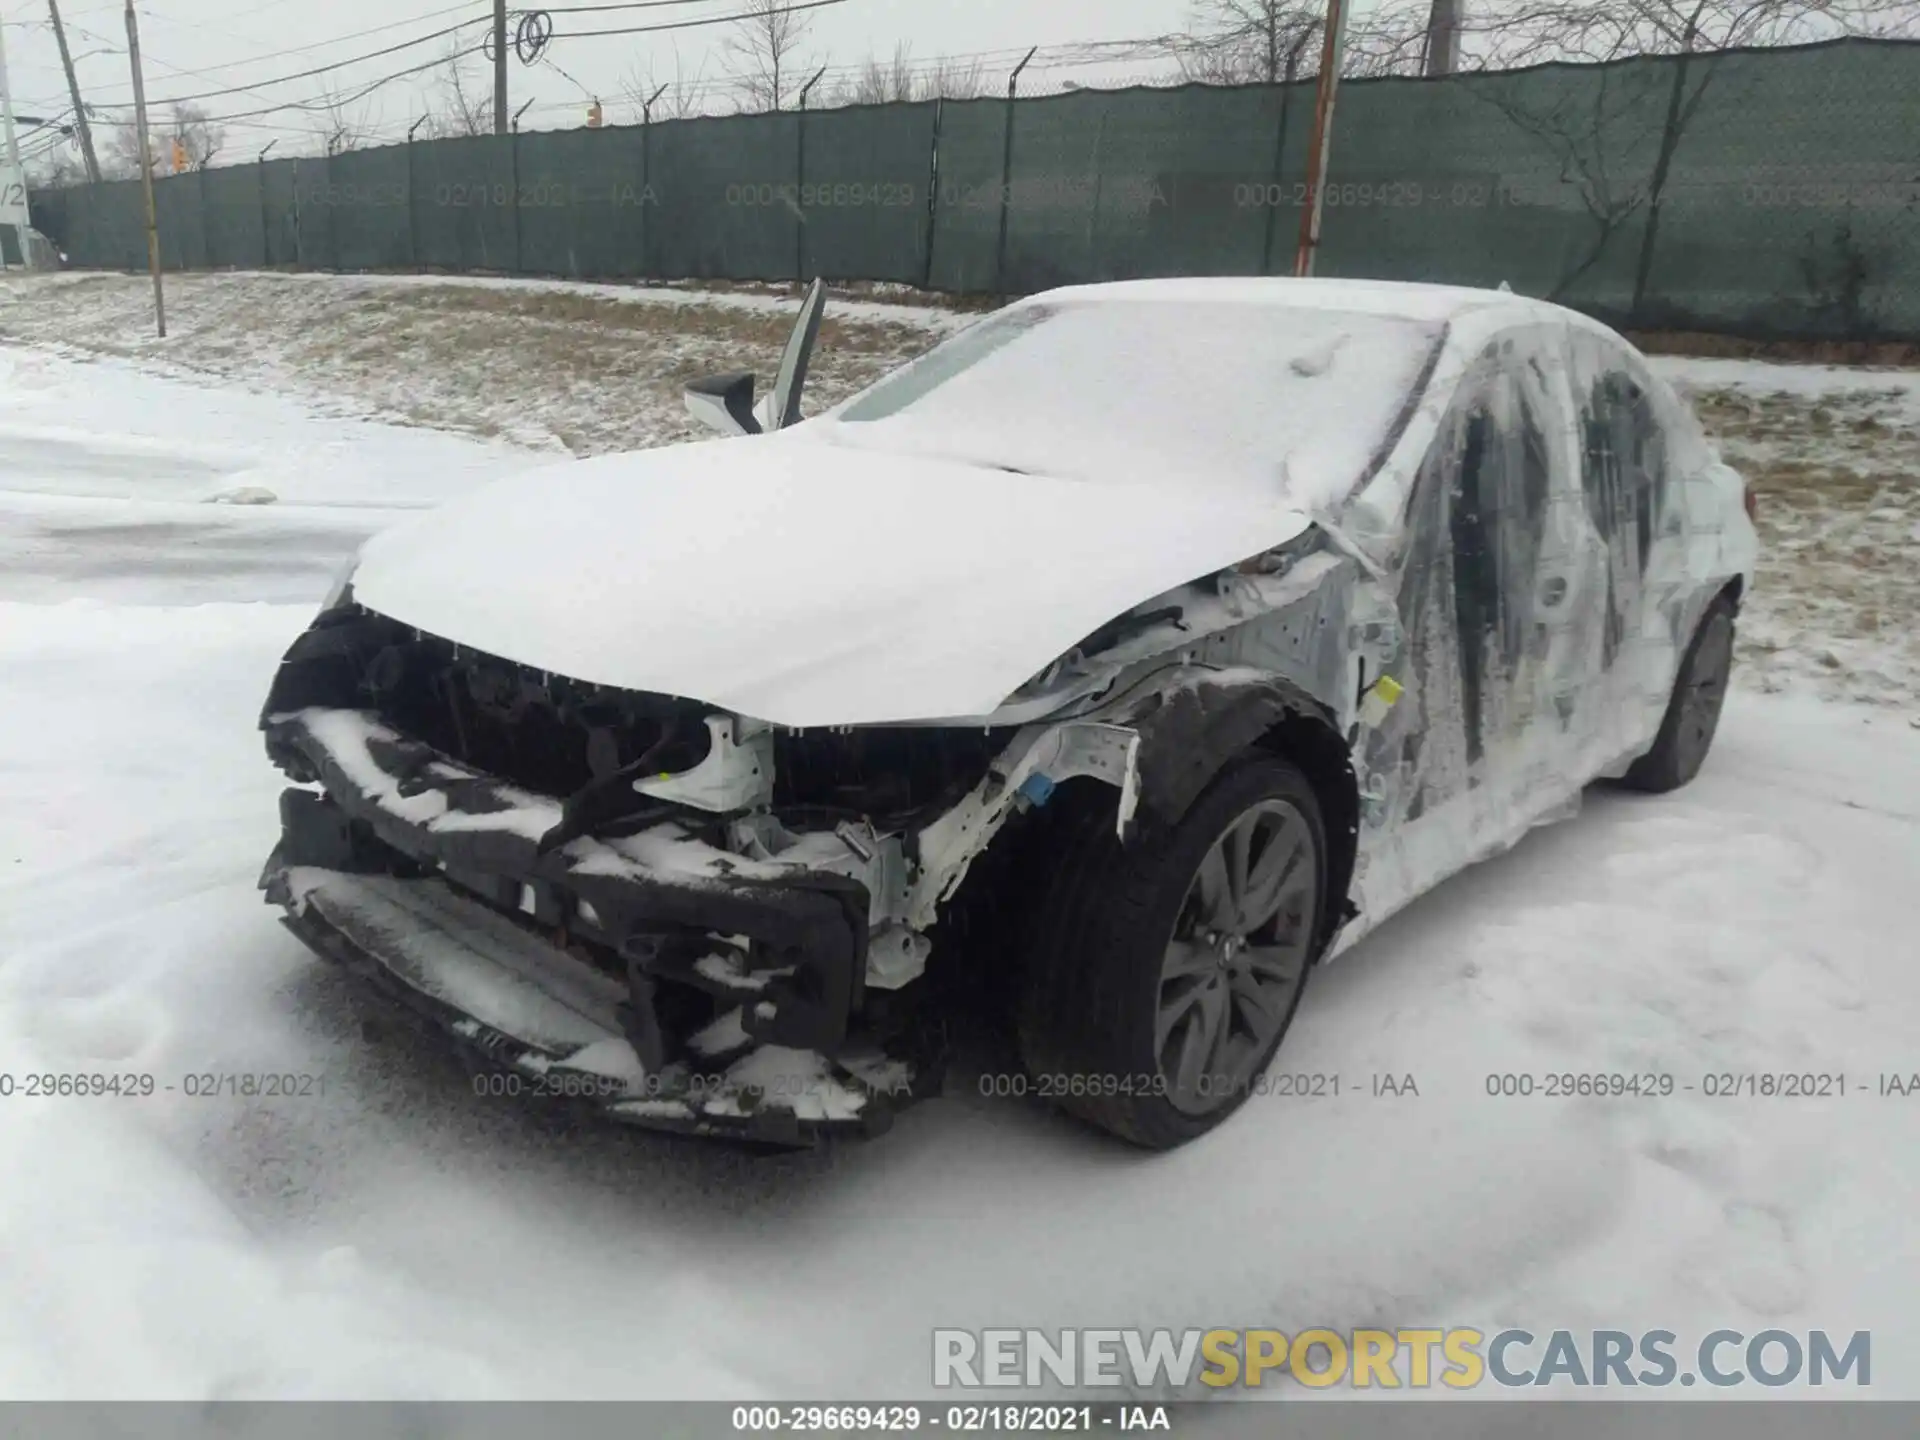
{"x":1623,"y":474}
{"x":1623,"y":464}
{"x":1279,"y":402}
{"x":1474,"y":521}
{"x":941,"y":364}
{"x":1499,"y":500}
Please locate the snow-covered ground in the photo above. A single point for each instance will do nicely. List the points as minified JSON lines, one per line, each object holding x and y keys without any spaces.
{"x":1833,"y":456}
{"x":545,"y":364}
{"x":391,"y":1234}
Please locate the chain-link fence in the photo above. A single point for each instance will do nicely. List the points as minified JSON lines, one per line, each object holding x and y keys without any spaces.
{"x":1770,"y":193}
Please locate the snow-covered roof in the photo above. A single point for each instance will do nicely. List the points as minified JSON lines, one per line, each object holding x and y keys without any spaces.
{"x":1397,"y":298}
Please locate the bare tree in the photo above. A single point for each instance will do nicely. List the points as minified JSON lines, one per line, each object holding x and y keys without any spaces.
{"x":880,"y":82}
{"x":764,"y":49}
{"x":342,"y":122}
{"x":1503,"y":34}
{"x":197,"y":135}
{"x":953,"y":80}
{"x":120,"y":152}
{"x":1644,"y":107}
{"x":1588,"y":135}
{"x":1887,"y":19}
{"x":1390,"y":39}
{"x":55,"y":169}
{"x":462,"y":102}
{"x":1243,"y":42}
{"x":680,"y":99}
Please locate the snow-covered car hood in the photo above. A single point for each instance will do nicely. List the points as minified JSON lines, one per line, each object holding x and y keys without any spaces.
{"x":801,"y":583}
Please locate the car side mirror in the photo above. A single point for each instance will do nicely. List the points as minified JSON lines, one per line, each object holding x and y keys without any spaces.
{"x":725,"y":403}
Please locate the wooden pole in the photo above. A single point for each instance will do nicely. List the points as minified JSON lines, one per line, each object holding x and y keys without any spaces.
{"x":499,"y":67}
{"x":1443,"y":38}
{"x":1332,"y":55}
{"x":24,"y":227}
{"x":82,"y":131}
{"x":146,"y":169}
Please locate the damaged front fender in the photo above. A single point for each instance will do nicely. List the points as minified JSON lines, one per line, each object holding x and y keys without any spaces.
{"x":1190,"y":732}
{"x":1039,"y":759}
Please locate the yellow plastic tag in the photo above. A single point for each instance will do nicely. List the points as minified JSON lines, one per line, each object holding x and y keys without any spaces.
{"x":1378,"y":701}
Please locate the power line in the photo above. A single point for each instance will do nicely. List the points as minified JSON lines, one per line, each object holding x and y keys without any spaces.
{"x":693,"y":24}
{"x":246,"y":89}
{"x":327,"y":104}
{"x":212,"y":20}
{"x":147,"y":54}
{"x":42,"y":140}
{"x":1061,"y":56}
{"x":341,"y":102}
{"x":626,"y":5}
{"x":216,"y":26}
{"x":323,"y":44}
{"x":319,"y":69}
{"x":440,"y":34}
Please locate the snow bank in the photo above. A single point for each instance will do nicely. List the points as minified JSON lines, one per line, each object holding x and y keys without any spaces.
{"x":105,"y":430}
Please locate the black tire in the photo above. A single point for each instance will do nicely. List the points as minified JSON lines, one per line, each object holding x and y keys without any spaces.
{"x":1693,"y":710}
{"x":1096,"y":981}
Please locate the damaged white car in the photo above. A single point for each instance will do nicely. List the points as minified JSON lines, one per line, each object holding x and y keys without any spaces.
{"x":1124,"y":657}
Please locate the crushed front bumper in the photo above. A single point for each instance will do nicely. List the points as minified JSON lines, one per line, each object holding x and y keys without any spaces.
{"x":429,"y":880}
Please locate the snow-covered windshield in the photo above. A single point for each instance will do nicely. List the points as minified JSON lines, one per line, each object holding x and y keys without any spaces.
{"x":1289,"y":401}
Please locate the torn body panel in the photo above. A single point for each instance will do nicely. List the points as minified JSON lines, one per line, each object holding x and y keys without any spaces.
{"x":556,"y":1028}
{"x":417,"y":869}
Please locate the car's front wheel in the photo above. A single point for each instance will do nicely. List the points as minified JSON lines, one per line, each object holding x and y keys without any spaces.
{"x":1165,"y":972}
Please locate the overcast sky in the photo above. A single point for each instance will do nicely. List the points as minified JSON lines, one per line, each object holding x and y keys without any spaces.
{"x":200,"y":45}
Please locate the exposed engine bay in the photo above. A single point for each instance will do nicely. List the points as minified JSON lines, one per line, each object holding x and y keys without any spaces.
{"x":731,"y":891}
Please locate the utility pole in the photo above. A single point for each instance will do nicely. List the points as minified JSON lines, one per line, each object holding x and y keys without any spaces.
{"x":146,"y":168}
{"x":13,"y":184}
{"x":499,"y":67}
{"x":1443,"y":37}
{"x":80,"y":127}
{"x":1332,"y":56}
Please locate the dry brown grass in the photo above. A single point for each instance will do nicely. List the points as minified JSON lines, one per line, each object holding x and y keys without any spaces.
{"x":1891,"y":354}
{"x":1836,"y":602}
{"x":587,"y":371}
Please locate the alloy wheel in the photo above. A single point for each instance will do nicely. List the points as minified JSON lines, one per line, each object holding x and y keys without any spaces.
{"x":1238,"y":957}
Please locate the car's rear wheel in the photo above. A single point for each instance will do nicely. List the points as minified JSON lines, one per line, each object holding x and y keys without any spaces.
{"x":1693,"y":710}
{"x":1165,"y":972}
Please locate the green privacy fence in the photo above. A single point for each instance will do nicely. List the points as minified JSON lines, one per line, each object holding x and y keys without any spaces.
{"x":1758,"y":192}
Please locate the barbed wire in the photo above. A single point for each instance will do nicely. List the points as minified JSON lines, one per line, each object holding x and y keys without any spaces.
{"x":1155,"y":61}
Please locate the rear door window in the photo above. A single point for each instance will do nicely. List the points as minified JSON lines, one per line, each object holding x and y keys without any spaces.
{"x":1623,"y":475}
